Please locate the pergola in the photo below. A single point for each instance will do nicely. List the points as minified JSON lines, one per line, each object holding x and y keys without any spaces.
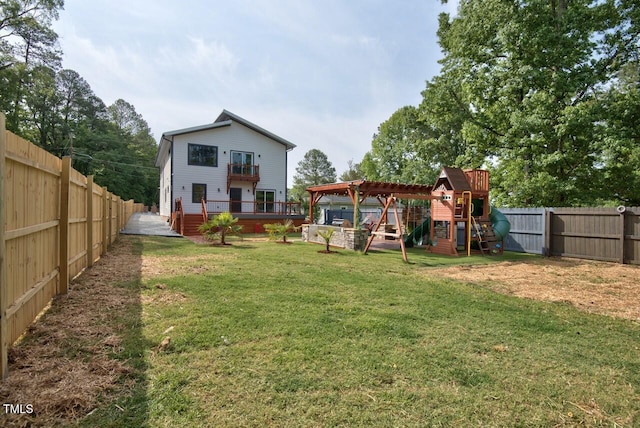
{"x":359,"y":190}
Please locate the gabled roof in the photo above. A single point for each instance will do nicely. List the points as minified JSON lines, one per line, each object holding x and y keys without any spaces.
{"x":455,"y":178}
{"x":226,"y":115}
{"x":226,"y":118}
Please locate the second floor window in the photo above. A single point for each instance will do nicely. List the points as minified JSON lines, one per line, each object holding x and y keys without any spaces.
{"x":202,"y":155}
{"x":242,"y":163}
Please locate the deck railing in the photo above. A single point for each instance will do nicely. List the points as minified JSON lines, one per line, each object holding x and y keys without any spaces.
{"x":478,"y":179}
{"x":205,"y":214}
{"x":241,"y":171}
{"x":177,"y":221}
{"x":251,"y":207}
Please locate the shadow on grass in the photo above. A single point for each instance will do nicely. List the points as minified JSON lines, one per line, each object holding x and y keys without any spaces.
{"x":83,"y":361}
{"x":128,"y":404}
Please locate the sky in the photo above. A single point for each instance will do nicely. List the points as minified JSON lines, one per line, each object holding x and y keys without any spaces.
{"x":322,"y":74}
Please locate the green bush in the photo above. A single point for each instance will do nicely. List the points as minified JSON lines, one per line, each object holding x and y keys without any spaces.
{"x":279,"y":231}
{"x":326,"y":235}
{"x":219,"y":227}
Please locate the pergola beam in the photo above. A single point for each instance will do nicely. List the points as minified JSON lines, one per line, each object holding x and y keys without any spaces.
{"x":359,"y":190}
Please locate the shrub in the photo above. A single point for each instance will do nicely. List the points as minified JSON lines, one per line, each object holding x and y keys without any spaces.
{"x":219,"y":227}
{"x":326,"y":235}
{"x":279,"y":231}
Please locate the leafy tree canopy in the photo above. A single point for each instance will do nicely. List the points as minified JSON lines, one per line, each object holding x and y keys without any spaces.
{"x":57,"y":109}
{"x":543,"y":93}
{"x":353,"y":172}
{"x":314,"y":168}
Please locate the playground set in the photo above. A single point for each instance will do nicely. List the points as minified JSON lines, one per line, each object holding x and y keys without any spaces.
{"x":459,"y":204}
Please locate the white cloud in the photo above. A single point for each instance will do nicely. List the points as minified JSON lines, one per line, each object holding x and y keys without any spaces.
{"x":210,"y":57}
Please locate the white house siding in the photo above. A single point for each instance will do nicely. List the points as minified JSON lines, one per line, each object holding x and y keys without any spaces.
{"x":165,"y":184}
{"x":269,"y":154}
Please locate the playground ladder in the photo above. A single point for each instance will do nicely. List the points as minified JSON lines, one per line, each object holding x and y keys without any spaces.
{"x":485,"y":236}
{"x":458,"y":210}
{"x":479,"y":235}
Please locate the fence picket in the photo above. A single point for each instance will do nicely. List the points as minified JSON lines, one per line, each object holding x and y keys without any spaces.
{"x":50,"y":224}
{"x":589,"y":233}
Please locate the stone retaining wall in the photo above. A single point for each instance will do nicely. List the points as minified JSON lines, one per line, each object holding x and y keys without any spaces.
{"x":348,"y":238}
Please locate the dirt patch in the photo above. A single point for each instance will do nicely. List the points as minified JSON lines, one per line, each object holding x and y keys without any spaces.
{"x":598,"y":287}
{"x":65,"y":363}
{"x":164,"y":298}
{"x":190,"y":265}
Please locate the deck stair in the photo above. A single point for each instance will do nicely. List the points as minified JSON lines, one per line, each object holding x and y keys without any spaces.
{"x":191,"y":224}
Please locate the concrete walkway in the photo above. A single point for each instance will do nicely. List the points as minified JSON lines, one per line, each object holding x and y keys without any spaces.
{"x":148,"y":224}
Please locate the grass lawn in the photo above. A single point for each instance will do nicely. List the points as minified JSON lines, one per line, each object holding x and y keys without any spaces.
{"x":266,"y":334}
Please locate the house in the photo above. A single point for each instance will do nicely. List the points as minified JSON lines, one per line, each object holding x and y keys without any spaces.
{"x":228,"y":165}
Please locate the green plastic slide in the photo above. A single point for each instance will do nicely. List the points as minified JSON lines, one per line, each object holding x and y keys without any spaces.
{"x":501,"y":225}
{"x":417,"y":234}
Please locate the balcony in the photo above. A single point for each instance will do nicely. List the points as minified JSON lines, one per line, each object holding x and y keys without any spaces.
{"x":243,"y":172}
{"x":478,"y":179}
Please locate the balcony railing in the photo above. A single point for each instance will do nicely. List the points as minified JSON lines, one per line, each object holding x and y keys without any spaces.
{"x":478,"y":179}
{"x":243,"y":172}
{"x":251,"y":207}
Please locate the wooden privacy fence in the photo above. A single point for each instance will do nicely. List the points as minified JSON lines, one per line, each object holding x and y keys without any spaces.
{"x":54,"y":222}
{"x":608,"y":234}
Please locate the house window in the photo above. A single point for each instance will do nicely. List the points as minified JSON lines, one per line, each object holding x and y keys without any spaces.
{"x":265,"y":201}
{"x":202,"y":155}
{"x":242,"y":163}
{"x":198,"y":192}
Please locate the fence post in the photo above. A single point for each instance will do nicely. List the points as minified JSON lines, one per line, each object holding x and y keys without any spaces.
{"x":65,"y":183}
{"x":548,"y":229}
{"x":110,"y":203}
{"x":89,"y":220}
{"x":118,"y":215}
{"x":4,"y":346}
{"x":622,"y":234}
{"x":105,"y":222}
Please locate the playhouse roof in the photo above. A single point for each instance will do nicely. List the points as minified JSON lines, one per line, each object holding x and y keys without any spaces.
{"x":455,"y":177}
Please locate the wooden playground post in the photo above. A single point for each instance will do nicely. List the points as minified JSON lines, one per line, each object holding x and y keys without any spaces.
{"x":391,"y":200}
{"x":468,"y":237}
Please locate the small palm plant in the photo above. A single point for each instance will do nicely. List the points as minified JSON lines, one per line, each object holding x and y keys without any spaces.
{"x":326,"y":236}
{"x":219,"y":227}
{"x":279,"y":231}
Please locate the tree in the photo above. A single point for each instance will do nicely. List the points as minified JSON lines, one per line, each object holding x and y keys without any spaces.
{"x":219,"y":227}
{"x":352,"y":173}
{"x":281,"y":230}
{"x":326,"y":236}
{"x":314,"y":168}
{"x":522,"y":87}
{"x":57,"y":109}
{"x":405,"y":149}
{"x":619,"y":140}
{"x":26,"y":42}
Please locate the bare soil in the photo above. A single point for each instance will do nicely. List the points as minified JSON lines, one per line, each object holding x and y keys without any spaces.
{"x":598,"y":287}
{"x":64,"y":364}
{"x":65,"y":367}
